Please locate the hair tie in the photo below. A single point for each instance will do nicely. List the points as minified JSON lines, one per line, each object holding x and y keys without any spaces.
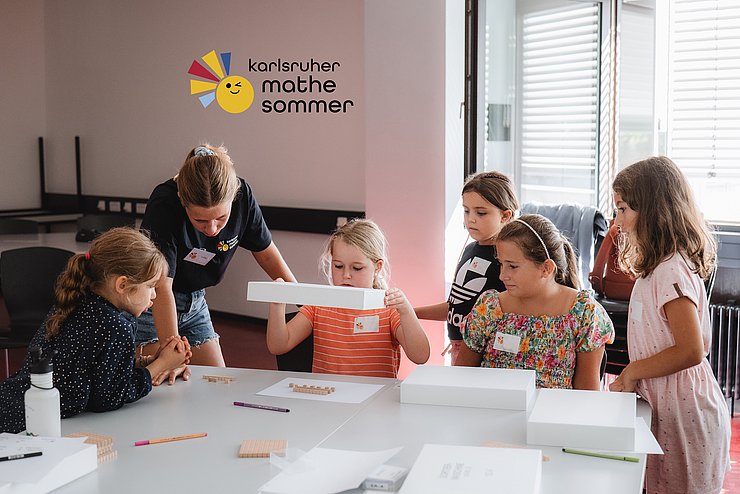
{"x":535,"y":234}
{"x":87,"y":255}
{"x":203,"y":151}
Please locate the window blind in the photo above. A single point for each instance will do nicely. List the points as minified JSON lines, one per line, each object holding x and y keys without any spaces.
{"x":704,"y":101}
{"x":559,"y":121}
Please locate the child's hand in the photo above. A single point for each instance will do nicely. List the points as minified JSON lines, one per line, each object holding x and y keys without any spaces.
{"x":171,"y":357}
{"x":623,"y":383}
{"x":396,"y":299}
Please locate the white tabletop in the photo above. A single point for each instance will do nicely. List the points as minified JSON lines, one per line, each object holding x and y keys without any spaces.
{"x":387,"y":423}
{"x":60,"y":240}
{"x":208,"y":464}
{"x":211,"y":464}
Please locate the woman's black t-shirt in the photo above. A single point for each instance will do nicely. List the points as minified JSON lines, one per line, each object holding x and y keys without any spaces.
{"x":173,"y":233}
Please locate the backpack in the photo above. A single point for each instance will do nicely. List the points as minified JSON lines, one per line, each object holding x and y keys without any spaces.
{"x":606,"y":278}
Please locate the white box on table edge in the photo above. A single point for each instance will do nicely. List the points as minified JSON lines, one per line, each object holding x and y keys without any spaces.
{"x":583,"y":419}
{"x":342,"y":297}
{"x":473,"y":469}
{"x":480,"y":387}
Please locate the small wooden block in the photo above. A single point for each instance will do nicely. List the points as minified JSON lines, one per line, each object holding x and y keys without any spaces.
{"x":261,"y":448}
{"x":104,"y":444}
{"x":310,"y":389}
{"x":216,"y":379}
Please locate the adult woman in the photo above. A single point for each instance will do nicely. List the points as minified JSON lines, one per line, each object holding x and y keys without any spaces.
{"x":197,"y":219}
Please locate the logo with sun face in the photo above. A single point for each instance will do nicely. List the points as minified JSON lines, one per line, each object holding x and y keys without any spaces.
{"x":233,"y":93}
{"x":223,"y":246}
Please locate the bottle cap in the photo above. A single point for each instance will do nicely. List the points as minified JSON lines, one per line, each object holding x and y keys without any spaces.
{"x":39,"y":364}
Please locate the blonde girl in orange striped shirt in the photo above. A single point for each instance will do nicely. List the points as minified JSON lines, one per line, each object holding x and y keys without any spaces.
{"x":351,"y":341}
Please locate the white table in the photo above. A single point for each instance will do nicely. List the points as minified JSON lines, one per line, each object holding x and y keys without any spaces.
{"x":60,"y":240}
{"x":386,"y":423}
{"x":211,"y":464}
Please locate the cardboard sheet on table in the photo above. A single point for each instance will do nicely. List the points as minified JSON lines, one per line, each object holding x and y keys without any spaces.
{"x":344,"y":392}
{"x":327,"y":470}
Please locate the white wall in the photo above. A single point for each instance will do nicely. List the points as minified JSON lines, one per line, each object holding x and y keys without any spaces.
{"x":405,"y":136}
{"x":116,"y":74}
{"x":22,"y":101}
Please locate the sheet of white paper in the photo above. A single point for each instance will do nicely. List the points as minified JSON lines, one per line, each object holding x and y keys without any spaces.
{"x":328,"y":471}
{"x":443,"y":469}
{"x":645,"y":442}
{"x":32,"y":470}
{"x":344,"y":392}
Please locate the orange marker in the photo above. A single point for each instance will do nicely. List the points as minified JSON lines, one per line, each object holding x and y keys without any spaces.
{"x":169,"y":439}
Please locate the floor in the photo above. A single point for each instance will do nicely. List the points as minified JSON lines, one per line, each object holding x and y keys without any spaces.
{"x":243,"y":345}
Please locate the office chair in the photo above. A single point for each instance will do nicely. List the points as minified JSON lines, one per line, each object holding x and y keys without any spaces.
{"x":300,"y":358}
{"x":14,"y":226}
{"x":89,"y":226}
{"x":28,"y":276}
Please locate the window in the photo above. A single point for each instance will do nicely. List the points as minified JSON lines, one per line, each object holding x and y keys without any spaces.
{"x":559,"y":104}
{"x":703,"y":132}
{"x":538,"y":69}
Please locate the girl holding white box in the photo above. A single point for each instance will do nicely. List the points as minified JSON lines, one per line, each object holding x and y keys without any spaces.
{"x":666,"y":244}
{"x":542,"y":321}
{"x":352,"y":341}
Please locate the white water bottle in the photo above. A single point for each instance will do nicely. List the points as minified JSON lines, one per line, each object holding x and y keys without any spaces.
{"x":43,"y":416}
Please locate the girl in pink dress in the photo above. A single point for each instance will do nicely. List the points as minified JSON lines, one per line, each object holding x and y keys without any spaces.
{"x":667,"y":246}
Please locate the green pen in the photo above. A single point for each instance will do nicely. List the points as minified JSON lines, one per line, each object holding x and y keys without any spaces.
{"x":601,"y":455}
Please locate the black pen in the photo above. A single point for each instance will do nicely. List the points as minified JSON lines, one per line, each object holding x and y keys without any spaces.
{"x":20,"y":456}
{"x":260,"y":407}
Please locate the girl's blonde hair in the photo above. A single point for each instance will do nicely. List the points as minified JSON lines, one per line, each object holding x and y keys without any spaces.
{"x":494,"y":187}
{"x":207,"y":177}
{"x":117,"y":252}
{"x":558,"y":247}
{"x":668,"y":221}
{"x":366,"y":236}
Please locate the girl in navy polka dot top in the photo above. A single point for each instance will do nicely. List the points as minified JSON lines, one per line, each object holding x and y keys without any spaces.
{"x":91,"y":329}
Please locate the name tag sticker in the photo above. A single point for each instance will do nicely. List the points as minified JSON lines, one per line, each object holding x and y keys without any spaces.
{"x":478,"y":265}
{"x":199,"y":256}
{"x":507,"y":342}
{"x":367,"y":324}
{"x":636,"y":310}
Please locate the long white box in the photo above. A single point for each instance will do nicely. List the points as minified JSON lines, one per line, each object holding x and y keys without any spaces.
{"x":474,"y":470}
{"x":480,"y":387}
{"x":583,"y":419}
{"x":342,"y":297}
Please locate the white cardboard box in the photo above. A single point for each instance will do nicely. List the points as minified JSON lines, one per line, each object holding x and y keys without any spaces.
{"x":455,"y":469}
{"x":342,"y":297}
{"x":481,"y":387}
{"x":583,"y":419}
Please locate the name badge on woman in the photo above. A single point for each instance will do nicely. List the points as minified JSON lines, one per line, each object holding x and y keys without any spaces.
{"x":199,"y":256}
{"x":367,"y":324}
{"x":507,"y":342}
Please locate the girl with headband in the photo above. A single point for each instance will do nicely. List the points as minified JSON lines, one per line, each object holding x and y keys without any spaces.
{"x":543,"y":321}
{"x":198,"y":219}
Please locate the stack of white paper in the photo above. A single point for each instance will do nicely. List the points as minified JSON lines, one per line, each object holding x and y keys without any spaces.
{"x":583,"y":419}
{"x":482,"y":387}
{"x":445,"y":469}
{"x":62,"y":461}
{"x":343,"y":297}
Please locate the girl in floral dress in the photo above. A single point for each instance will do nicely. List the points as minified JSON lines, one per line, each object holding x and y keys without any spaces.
{"x":542,"y":321}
